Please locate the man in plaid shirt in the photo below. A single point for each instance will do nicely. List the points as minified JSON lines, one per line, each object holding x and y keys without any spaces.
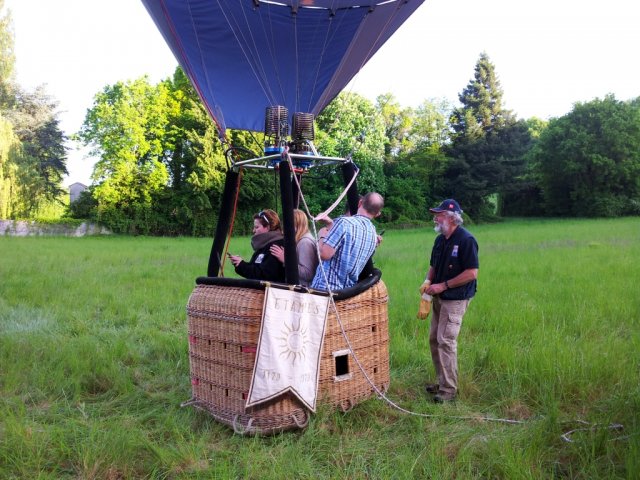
{"x":346,"y":244}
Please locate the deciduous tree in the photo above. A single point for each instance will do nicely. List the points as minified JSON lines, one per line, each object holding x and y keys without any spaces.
{"x":588,"y":161}
{"x":397,"y":125}
{"x":8,"y":140}
{"x":7,"y":56}
{"x":126,"y":127}
{"x":350,"y":126}
{"x":415,"y":172}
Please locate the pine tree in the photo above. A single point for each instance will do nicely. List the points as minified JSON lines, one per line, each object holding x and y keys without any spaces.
{"x":487,"y":145}
{"x":481,"y":112}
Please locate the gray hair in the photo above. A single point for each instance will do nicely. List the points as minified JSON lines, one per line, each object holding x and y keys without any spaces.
{"x":455,"y":217}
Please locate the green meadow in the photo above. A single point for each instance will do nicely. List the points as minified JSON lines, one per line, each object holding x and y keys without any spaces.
{"x":94,"y":365}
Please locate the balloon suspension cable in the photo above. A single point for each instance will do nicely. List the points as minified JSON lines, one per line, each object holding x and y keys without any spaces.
{"x":233,"y":219}
{"x":372,"y":45}
{"x":365,"y":59}
{"x":253,"y":137}
{"x":233,"y":152}
{"x":375,"y":388}
{"x":247,"y":44}
{"x":359,"y":139}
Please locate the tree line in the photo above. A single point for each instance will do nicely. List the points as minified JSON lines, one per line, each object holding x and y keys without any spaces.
{"x":161,"y":166}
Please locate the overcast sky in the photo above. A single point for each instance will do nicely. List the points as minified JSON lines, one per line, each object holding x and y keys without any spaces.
{"x":548,"y":54}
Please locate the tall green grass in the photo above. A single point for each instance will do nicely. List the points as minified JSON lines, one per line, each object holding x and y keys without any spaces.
{"x":94,"y":364}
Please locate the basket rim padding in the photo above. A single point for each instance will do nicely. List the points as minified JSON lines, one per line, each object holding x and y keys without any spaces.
{"x":343,"y":294}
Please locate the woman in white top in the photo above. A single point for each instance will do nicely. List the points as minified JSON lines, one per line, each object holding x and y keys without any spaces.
{"x":306,"y":248}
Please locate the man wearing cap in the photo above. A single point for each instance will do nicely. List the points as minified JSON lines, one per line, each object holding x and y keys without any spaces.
{"x":451,"y":281}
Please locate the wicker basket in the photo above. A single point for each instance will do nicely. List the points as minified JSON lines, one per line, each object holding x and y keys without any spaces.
{"x":224,"y":325}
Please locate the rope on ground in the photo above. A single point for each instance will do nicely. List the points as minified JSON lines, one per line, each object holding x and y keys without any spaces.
{"x":592,"y":428}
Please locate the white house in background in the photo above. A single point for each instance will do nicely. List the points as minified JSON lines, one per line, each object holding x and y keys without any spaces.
{"x":75,"y":189}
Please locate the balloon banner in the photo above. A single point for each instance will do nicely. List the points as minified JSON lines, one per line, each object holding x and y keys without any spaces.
{"x":289,"y":347}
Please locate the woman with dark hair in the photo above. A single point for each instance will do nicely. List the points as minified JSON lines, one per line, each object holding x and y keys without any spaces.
{"x":263,"y":265}
{"x":306,"y":248}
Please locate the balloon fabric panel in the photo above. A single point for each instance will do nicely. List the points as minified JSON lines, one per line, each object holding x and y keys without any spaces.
{"x":242,"y":58}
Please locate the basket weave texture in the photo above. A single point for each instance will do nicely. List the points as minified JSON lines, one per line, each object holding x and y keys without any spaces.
{"x":224,"y":326}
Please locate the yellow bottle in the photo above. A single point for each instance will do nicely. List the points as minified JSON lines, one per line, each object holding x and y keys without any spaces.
{"x":425,"y":303}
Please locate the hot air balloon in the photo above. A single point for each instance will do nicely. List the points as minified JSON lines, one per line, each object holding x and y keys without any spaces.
{"x":272,"y":66}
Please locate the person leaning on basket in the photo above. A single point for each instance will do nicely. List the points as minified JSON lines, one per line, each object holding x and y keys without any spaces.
{"x":263,"y":265}
{"x":305,"y":247}
{"x":451,"y":280}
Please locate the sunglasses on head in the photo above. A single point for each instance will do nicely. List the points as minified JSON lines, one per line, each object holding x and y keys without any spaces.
{"x":261,"y":214}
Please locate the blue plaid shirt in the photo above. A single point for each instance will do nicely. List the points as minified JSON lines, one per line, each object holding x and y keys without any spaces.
{"x":354,"y":240}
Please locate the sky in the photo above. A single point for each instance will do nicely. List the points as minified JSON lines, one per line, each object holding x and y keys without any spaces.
{"x":548,"y":54}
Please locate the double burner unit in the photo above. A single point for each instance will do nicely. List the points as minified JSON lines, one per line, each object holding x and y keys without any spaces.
{"x":276,"y":131}
{"x":298,"y":145}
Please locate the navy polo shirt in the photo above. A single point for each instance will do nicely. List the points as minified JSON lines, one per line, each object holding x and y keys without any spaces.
{"x":451,"y":257}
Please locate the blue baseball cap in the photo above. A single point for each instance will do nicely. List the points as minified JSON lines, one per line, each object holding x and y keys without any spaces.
{"x":448,"y":205}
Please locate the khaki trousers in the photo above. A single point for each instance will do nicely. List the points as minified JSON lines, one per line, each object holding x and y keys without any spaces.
{"x":446,"y":321}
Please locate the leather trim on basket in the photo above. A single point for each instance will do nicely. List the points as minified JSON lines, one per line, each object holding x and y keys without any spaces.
{"x":343,"y":294}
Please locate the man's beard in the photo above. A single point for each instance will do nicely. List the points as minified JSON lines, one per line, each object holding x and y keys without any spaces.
{"x":442,"y":228}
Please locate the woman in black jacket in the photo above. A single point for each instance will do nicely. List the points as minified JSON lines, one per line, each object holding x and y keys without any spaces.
{"x":263,"y":265}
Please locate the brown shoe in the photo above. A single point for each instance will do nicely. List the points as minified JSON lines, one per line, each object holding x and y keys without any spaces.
{"x":432,"y":388}
{"x":444,"y":397}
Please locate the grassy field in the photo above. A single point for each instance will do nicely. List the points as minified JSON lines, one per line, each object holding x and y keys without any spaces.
{"x":94,"y":365}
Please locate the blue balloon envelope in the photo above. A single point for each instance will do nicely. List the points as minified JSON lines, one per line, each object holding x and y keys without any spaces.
{"x":245,"y":55}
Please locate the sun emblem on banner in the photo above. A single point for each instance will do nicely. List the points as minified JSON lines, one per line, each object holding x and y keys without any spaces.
{"x":293,"y":344}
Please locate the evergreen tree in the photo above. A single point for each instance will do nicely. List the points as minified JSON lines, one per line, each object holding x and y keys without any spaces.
{"x":481,"y":111}
{"x":487,"y":145}
{"x":44,"y":156}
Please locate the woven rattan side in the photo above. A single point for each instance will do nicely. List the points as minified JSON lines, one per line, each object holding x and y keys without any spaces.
{"x":224,"y":326}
